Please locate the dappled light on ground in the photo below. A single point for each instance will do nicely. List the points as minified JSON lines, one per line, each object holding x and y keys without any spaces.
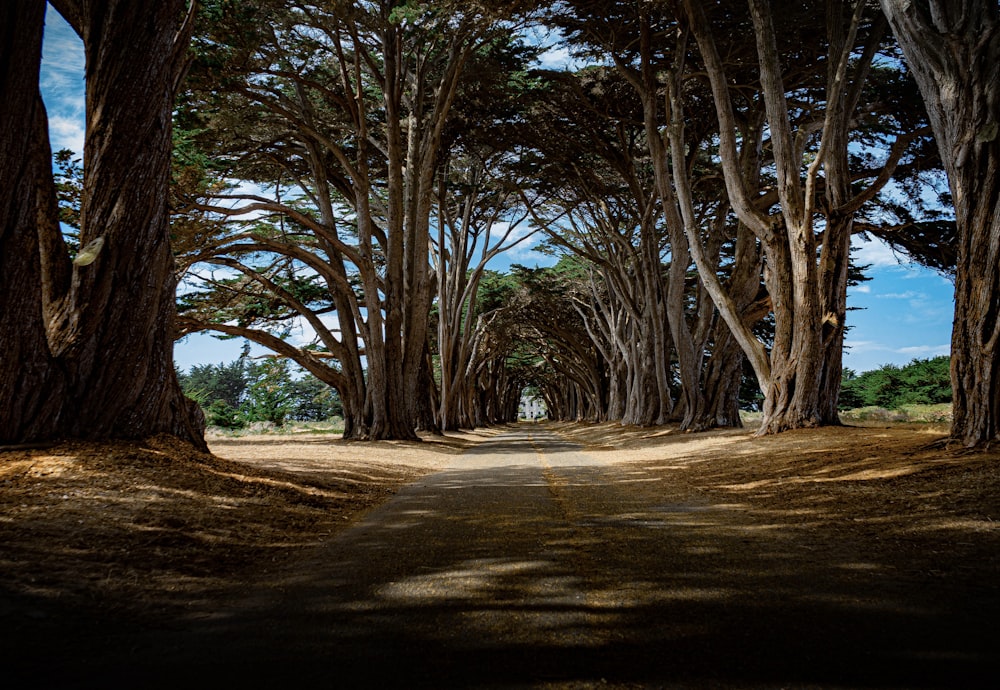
{"x":602,"y":557}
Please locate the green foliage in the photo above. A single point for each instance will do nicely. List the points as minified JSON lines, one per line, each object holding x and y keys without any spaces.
{"x":410,"y":11}
{"x":235,"y":394}
{"x":208,"y":383}
{"x":219,"y":389}
{"x":314,"y":401}
{"x":269,"y":391}
{"x":220,"y":413}
{"x":69,"y":186}
{"x":921,"y":382}
{"x":68,"y":178}
{"x":495,"y":291}
{"x":850,"y":392}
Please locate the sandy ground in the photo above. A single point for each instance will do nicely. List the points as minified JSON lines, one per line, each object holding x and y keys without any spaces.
{"x":132,"y":536}
{"x":144,"y":529}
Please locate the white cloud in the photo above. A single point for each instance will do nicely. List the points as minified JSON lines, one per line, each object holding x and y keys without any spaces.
{"x":862,"y":289}
{"x":880,"y":258}
{"x":62,"y":83}
{"x":909,"y":294}
{"x":924,"y":350}
{"x":526,"y":255}
{"x":522,"y":236}
{"x":67,"y":133}
{"x":556,"y":58}
{"x":874,"y":253}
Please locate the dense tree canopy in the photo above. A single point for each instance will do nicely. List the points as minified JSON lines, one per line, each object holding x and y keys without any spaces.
{"x":346,"y":175}
{"x":708,"y":223}
{"x":921,"y":382}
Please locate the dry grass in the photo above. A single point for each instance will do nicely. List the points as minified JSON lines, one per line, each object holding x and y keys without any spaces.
{"x":141,"y":528}
{"x":926,"y":506}
{"x":149,"y":531}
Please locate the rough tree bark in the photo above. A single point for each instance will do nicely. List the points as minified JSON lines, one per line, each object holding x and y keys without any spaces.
{"x":32,"y":387}
{"x":107,"y":363}
{"x":953,"y":49}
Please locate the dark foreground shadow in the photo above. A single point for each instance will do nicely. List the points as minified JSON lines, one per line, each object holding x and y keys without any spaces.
{"x":480,"y":579}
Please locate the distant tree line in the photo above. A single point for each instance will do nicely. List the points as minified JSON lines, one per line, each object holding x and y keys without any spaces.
{"x":243,"y":391}
{"x":921,"y":382}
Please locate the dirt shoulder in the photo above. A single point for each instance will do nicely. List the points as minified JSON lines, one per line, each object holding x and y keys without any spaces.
{"x":145,"y":531}
{"x":899,"y":494}
{"x":842,"y":472}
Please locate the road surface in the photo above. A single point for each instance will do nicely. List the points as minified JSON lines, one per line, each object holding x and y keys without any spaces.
{"x":530,"y":563}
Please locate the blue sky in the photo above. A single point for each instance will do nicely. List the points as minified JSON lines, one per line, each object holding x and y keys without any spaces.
{"x":904,"y":312}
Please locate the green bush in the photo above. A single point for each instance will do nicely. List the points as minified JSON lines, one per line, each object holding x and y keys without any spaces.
{"x":221,"y":414}
{"x":921,"y":382}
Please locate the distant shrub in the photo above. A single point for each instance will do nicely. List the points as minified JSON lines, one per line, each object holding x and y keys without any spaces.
{"x":221,"y":414}
{"x":921,"y":382}
{"x":878,"y":414}
{"x":244,"y":391}
{"x":910,"y":414}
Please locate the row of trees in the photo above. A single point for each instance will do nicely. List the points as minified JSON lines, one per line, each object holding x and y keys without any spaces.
{"x":244,"y":391}
{"x":707,"y":184}
{"x":709,"y":213}
{"x":345,"y":114}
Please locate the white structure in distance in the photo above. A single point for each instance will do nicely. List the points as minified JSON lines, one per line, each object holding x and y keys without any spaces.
{"x":532,"y":408}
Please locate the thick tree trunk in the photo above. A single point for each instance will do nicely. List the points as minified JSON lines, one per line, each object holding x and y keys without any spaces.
{"x":723,"y":374}
{"x":32,"y":385}
{"x":793,"y":389}
{"x":975,"y":358}
{"x":109,"y":323}
{"x":953,"y":48}
{"x":122,"y":355}
{"x":792,"y":400}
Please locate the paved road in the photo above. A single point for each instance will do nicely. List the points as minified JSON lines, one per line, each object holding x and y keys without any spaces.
{"x":529,"y":563}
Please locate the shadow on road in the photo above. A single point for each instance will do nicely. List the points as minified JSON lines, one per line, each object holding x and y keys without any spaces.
{"x":568,"y":574}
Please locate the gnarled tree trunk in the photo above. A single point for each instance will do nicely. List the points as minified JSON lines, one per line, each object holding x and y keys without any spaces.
{"x":32,"y":385}
{"x":952,"y":49}
{"x":793,"y":378}
{"x":106,"y":367}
